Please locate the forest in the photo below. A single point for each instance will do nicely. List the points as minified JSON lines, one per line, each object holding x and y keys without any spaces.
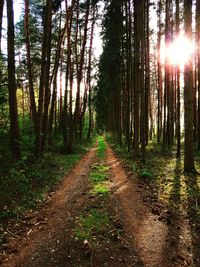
{"x":100,"y":133}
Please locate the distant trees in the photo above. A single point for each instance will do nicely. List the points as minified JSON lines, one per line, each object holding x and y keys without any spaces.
{"x":123,"y":90}
{"x":108,"y":99}
{"x":148,"y":89}
{"x":53,"y":39}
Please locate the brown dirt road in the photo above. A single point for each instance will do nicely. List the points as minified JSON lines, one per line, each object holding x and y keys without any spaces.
{"x":49,"y":240}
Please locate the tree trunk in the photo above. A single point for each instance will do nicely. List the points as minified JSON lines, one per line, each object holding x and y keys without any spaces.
{"x":147,"y":72}
{"x":52,"y":111}
{"x":61,"y":87}
{"x":178,"y":130}
{"x":160,"y":86}
{"x":142,"y":69}
{"x":1,"y":19}
{"x":79,"y":77}
{"x":44,"y":79}
{"x":89,"y":76}
{"x":69,"y":14}
{"x":47,"y":83}
{"x":188,"y":95}
{"x":136,"y":84}
{"x":14,"y":126}
{"x":128,"y":74}
{"x":29,"y":65}
{"x":198,"y":64}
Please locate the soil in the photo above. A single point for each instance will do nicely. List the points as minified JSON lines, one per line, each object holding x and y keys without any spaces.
{"x":143,"y":231}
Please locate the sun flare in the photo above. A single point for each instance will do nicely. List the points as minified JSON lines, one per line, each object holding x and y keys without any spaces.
{"x":179,"y":51}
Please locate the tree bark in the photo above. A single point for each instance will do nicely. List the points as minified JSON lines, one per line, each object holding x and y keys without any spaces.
{"x":14,"y":126}
{"x":198,"y":64}
{"x":44,"y":79}
{"x":147,"y":71}
{"x":136,"y":84}
{"x":178,"y":130}
{"x":54,"y":80}
{"x":47,"y":82}
{"x":29,"y":65}
{"x":79,"y":80}
{"x":141,"y":77}
{"x":160,"y":86}
{"x":69,"y":14}
{"x":1,"y":20}
{"x":188,"y":95}
{"x":89,"y":75}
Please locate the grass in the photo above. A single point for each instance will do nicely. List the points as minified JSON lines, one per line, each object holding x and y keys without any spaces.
{"x":100,"y":168}
{"x":99,"y":180}
{"x":100,"y":189}
{"x":92,"y":224}
{"x":101,"y":148}
{"x":98,"y":177}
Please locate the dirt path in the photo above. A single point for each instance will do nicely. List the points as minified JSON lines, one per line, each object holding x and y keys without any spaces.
{"x":146,"y":240}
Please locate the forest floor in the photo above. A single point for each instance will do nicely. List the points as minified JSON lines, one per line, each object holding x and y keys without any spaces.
{"x":102,"y":215}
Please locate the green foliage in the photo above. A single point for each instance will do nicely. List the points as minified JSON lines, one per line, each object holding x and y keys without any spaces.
{"x":98,"y":177}
{"x":36,"y":31}
{"x":147,"y":174}
{"x":101,"y":189}
{"x":92,"y":224}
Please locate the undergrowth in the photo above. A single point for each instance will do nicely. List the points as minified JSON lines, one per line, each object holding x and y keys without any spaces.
{"x":27,"y":182}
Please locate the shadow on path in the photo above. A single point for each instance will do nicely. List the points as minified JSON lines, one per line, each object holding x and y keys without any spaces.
{"x":193,"y":192}
{"x":177,"y":249}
